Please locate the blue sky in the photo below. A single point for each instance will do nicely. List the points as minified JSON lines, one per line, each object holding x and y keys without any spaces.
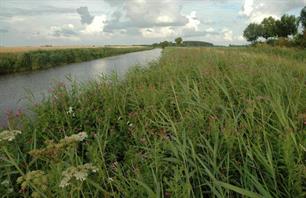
{"x":100,"y":22}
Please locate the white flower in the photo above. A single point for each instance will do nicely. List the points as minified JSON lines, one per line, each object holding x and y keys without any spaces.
{"x":129,"y":124}
{"x":80,"y":173}
{"x":82,"y":135}
{"x":110,"y":179}
{"x":70,"y":111}
{"x":9,"y":135}
{"x":76,"y":137}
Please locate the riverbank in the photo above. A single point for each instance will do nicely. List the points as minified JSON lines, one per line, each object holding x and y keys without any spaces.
{"x":222,"y":122}
{"x":12,"y":62}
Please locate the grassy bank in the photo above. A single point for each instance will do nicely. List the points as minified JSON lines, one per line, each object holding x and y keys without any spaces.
{"x":201,"y":122}
{"x":33,"y":60}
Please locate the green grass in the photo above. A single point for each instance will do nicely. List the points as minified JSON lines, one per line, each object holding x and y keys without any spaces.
{"x":41,"y":59}
{"x":201,"y":122}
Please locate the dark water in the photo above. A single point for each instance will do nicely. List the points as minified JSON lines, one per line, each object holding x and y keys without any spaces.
{"x":16,"y":89}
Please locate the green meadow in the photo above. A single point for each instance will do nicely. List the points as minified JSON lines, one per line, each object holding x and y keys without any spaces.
{"x":200,"y":122}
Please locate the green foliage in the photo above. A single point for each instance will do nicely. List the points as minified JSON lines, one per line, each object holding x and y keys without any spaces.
{"x":197,"y":44}
{"x":201,"y":122}
{"x":302,"y":18}
{"x":286,"y":26}
{"x":178,"y":41}
{"x":252,"y":32}
{"x":268,"y":28}
{"x":283,"y":28}
{"x":14,"y":62}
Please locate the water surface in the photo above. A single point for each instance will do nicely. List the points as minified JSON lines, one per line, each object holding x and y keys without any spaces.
{"x":16,"y":88}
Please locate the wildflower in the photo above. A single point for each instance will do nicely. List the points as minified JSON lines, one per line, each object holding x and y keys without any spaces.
{"x":54,"y":150}
{"x":110,"y":179}
{"x":37,"y":178}
{"x":129,"y":124}
{"x":9,"y":135}
{"x":75,"y":138}
{"x":79,"y":173}
{"x":18,"y":113}
{"x":70,"y":111}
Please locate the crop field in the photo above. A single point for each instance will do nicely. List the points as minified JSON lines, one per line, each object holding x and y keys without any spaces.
{"x":200,"y":122}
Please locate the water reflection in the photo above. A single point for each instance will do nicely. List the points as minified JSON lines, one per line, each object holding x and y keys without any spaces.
{"x":15,"y":88}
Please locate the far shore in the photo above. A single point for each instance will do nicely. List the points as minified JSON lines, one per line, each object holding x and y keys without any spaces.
{"x":9,"y":49}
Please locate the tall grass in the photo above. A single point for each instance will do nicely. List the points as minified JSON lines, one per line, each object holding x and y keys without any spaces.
{"x":34,"y":60}
{"x":198,"y":123}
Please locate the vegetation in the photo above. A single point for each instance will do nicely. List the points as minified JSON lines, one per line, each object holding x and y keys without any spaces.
{"x":33,"y":60}
{"x":179,"y":42}
{"x":276,"y":32}
{"x":197,"y":44}
{"x":201,"y":122}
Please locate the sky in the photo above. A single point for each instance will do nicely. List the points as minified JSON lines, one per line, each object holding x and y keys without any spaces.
{"x":113,"y":22}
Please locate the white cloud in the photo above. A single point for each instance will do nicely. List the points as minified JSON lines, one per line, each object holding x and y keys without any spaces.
{"x":256,"y":10}
{"x":228,"y":34}
{"x":190,"y":28}
{"x":96,"y":26}
{"x":158,"y":32}
{"x":64,"y":31}
{"x":193,"y":21}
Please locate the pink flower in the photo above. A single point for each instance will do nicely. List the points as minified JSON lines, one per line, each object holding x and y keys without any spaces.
{"x":18,"y":113}
{"x":50,"y":90}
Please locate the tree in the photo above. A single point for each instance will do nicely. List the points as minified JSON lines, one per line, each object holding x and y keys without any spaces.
{"x":178,"y":41}
{"x":164,"y":44}
{"x":286,"y":26}
{"x":302,"y":19}
{"x":252,"y":32}
{"x":268,"y":27}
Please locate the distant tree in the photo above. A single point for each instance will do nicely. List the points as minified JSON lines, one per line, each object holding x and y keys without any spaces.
{"x":286,"y":26}
{"x":178,"y":41}
{"x":268,"y":28}
{"x":252,"y":32}
{"x":302,"y":18}
{"x":164,"y":44}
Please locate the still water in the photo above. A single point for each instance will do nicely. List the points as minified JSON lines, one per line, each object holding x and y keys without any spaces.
{"x":16,"y":89}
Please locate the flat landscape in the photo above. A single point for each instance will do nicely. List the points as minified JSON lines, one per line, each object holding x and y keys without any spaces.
{"x":219,"y":121}
{"x":50,"y":47}
{"x":153,"y":98}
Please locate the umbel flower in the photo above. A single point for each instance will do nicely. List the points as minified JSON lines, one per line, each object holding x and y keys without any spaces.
{"x":54,"y":150}
{"x":9,"y":135}
{"x":37,"y":179}
{"x":79,"y":173}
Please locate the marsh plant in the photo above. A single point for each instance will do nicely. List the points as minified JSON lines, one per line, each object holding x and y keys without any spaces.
{"x":200,"y":122}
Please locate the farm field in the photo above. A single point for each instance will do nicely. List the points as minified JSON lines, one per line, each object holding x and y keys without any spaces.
{"x":200,"y":122}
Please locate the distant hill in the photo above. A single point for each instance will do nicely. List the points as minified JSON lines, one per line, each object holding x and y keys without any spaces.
{"x":197,"y":44}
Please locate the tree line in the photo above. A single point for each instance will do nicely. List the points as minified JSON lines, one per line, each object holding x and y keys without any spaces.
{"x":276,"y":30}
{"x":180,"y":43}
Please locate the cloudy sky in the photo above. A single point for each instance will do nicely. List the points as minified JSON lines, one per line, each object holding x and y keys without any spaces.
{"x":99,"y":22}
